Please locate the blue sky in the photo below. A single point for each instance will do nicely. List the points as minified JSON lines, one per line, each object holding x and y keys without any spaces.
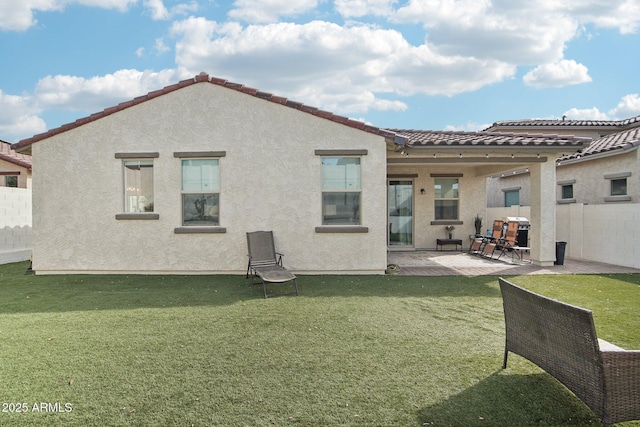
{"x":413,"y":64}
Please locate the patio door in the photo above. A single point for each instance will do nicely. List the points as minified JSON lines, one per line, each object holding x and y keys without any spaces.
{"x":400,"y":213}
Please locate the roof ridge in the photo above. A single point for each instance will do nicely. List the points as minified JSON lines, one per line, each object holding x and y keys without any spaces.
{"x":205,"y":78}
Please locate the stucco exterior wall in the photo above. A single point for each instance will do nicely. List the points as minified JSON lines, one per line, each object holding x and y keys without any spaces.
{"x":270,"y":180}
{"x":496,"y":187}
{"x":590,"y":185}
{"x":472,"y":197}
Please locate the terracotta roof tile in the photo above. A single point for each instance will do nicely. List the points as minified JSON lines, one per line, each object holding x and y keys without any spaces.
{"x":204,"y":78}
{"x":10,"y":155}
{"x":624,"y":140}
{"x":418,"y":138}
{"x":633,"y":121}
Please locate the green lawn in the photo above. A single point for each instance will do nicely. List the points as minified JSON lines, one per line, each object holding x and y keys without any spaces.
{"x":349,"y":351}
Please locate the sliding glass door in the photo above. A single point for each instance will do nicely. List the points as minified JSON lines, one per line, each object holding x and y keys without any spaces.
{"x":400,"y":214}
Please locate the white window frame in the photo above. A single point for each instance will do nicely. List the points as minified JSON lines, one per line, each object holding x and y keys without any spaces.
{"x":145,"y":208}
{"x":437,"y":199}
{"x":206,"y":227}
{"x":351,"y":186}
{"x":347,"y":226}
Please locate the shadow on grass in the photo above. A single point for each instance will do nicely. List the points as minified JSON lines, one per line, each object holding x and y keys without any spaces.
{"x":27,"y":293}
{"x":510,"y":400}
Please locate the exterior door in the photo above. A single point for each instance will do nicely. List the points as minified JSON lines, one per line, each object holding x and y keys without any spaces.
{"x":400,"y":213}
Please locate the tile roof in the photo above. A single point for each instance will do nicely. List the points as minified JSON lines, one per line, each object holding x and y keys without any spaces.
{"x":204,"y":78}
{"x":622,"y":141}
{"x":10,"y":155}
{"x":633,"y":121}
{"x":449,"y":139}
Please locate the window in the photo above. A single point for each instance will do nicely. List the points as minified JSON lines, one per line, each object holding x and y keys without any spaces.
{"x":11,"y":181}
{"x":341,"y":190}
{"x":446,"y":198}
{"x":200,"y":192}
{"x":619,"y":187}
{"x":138,"y":186}
{"x":511,"y":198}
{"x":567,"y":191}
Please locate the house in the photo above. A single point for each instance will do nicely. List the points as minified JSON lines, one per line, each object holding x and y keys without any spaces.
{"x":597,"y":188}
{"x":171,"y":181}
{"x":15,"y":168}
{"x":580,"y":175}
{"x":15,"y":205}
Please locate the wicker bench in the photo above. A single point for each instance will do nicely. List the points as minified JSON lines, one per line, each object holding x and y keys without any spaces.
{"x":561,"y":339}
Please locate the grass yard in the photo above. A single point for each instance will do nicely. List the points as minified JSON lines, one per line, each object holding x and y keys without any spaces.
{"x":349,"y":351}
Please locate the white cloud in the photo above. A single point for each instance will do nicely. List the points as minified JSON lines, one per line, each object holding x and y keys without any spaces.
{"x":268,"y":11}
{"x":94,"y":94}
{"x":17,"y":15}
{"x":559,"y":74}
{"x":160,"y":47}
{"x":586,"y":114}
{"x":157,"y":8}
{"x":344,"y":69}
{"x":629,"y":106}
{"x":467,"y":127}
{"x":19,"y":116}
{"x":160,"y":12}
{"x":515,"y":31}
{"x":359,"y":8}
{"x":140,"y":52}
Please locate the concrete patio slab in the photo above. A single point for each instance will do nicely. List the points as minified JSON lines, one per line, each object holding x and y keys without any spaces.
{"x":440,"y":263}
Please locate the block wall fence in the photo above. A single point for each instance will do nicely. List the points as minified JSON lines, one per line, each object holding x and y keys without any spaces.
{"x":15,"y":224}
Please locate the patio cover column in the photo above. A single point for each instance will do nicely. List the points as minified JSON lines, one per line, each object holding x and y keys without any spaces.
{"x":543,"y":212}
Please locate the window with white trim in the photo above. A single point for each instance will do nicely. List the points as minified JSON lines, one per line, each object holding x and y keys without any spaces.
{"x":341,"y":190}
{"x":138,"y":185}
{"x":200,"y":192}
{"x":447,"y":198}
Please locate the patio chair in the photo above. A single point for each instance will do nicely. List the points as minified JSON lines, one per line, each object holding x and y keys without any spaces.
{"x":490,"y":243}
{"x":266,"y":263}
{"x":486,"y":245}
{"x":510,"y":238}
{"x":496,"y":233}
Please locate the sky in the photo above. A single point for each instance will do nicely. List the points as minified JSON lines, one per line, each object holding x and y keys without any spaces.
{"x":403,"y":64}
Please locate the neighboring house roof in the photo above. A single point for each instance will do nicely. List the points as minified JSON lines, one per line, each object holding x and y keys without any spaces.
{"x":613,"y":143}
{"x":448,"y":139}
{"x":568,"y":124}
{"x":9,"y":155}
{"x":204,"y":78}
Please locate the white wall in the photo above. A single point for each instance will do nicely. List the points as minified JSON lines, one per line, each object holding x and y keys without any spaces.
{"x":15,"y":224}
{"x":602,"y":233}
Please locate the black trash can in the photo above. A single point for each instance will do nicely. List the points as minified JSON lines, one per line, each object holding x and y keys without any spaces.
{"x":560,"y":248}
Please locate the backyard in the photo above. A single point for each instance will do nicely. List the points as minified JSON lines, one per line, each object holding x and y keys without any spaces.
{"x":113,"y":350}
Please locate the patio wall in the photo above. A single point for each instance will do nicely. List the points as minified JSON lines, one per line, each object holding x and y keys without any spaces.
{"x":602,"y":233}
{"x":15,"y":224}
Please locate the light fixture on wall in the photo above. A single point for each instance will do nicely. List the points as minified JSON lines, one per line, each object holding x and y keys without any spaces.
{"x":423,"y":191}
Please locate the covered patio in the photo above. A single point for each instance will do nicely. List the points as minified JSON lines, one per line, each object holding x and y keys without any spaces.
{"x":451,"y":263}
{"x":447,"y":171}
